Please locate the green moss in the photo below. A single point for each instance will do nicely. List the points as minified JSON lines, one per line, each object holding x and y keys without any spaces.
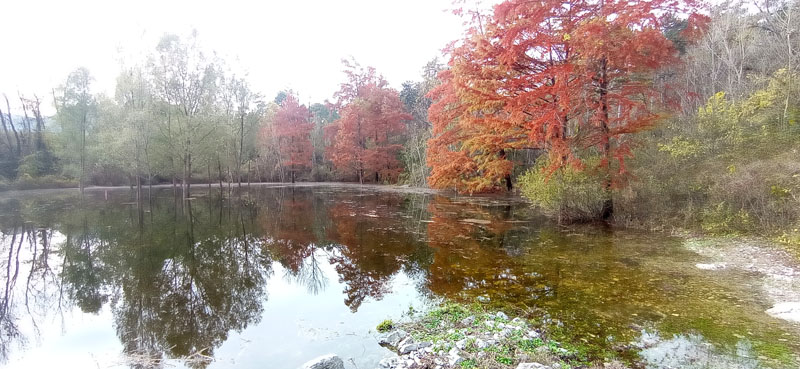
{"x":385,"y":326}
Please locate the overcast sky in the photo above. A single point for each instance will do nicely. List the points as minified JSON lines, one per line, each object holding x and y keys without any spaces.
{"x":280,"y":44}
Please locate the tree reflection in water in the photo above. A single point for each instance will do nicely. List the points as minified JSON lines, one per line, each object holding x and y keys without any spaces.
{"x":179,"y":276}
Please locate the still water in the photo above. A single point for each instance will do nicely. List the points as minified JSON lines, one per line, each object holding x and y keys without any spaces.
{"x":272,"y":276}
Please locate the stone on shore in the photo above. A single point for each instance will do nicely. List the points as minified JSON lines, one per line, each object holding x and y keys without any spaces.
{"x":393,"y":338}
{"x":329,"y":361}
{"x":786,"y":310}
{"x":531,"y":366}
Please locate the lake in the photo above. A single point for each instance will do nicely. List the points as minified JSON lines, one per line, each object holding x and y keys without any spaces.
{"x":272,"y":276}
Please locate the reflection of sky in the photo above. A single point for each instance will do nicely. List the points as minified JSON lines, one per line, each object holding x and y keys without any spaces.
{"x":86,"y":341}
{"x":693,"y":351}
{"x":296,"y":326}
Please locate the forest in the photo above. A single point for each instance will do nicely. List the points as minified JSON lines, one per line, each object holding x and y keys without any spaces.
{"x":658,"y":114}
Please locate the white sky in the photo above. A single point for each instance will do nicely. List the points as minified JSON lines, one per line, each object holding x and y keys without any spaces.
{"x":280,"y":44}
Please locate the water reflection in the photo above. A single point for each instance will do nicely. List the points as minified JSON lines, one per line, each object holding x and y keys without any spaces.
{"x":181,"y":278}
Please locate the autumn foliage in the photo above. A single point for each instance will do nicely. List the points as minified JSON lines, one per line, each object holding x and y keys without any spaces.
{"x":292,"y":130}
{"x":572,"y":78}
{"x":364,"y":141}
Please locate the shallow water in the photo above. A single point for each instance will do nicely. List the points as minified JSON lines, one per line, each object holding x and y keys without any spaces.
{"x":273,"y":276}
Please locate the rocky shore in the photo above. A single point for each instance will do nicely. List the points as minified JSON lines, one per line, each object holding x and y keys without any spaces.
{"x":454,"y":336}
{"x":457,"y":336}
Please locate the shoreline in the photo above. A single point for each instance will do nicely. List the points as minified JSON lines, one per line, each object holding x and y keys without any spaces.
{"x":234,"y":186}
{"x":465,"y":336}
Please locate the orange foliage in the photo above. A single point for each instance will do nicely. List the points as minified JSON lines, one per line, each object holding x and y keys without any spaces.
{"x":293,"y":135}
{"x":364,"y":139}
{"x":560,"y":75}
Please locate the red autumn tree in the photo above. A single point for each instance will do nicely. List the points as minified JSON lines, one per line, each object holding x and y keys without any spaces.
{"x":572,"y":77}
{"x":292,"y":130}
{"x":365,"y":140}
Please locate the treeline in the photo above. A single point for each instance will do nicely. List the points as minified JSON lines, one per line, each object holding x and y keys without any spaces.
{"x":181,"y":116}
{"x":657,"y":113}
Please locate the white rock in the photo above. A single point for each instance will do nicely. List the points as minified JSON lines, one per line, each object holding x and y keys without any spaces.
{"x":468,"y":320}
{"x":786,"y":310}
{"x":329,"y":361}
{"x":530,"y":366}
{"x":489,"y":323}
{"x":501,"y":315}
{"x":712,"y":266}
{"x":461,"y":344}
{"x":453,"y":352}
{"x":406,"y":341}
{"x":454,"y":360}
{"x":517,"y":320}
{"x":389,"y":362}
{"x":481,"y":344}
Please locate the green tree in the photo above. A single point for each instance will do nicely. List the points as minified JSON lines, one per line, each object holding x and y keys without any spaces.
{"x":77,"y":117}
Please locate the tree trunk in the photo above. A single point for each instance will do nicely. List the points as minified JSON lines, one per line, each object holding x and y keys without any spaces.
{"x":13,"y":128}
{"x":26,"y":125}
{"x":241,"y":152}
{"x":83,"y":153}
{"x":5,"y":130}
{"x":607,"y":211}
{"x":37,"y":114}
{"x":219,"y":173}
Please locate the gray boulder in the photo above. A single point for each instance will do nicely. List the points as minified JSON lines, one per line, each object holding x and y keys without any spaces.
{"x":329,"y":361}
{"x":393,"y":338}
{"x":406,"y":348}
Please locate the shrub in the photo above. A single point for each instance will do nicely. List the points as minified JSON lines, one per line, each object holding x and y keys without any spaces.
{"x":570,"y":194}
{"x":38,"y":164}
